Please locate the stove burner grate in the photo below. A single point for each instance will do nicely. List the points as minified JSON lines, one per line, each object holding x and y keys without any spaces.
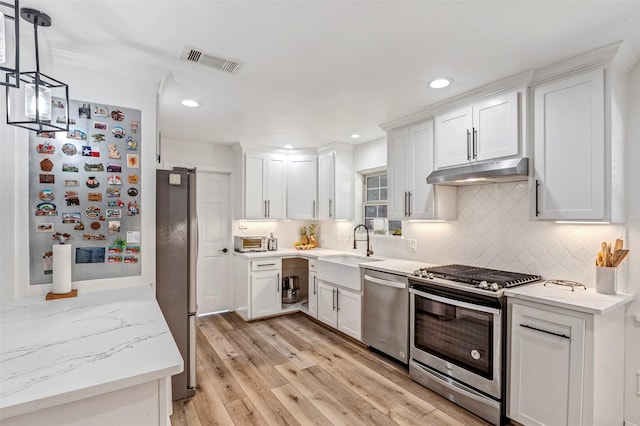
{"x":476,"y":275}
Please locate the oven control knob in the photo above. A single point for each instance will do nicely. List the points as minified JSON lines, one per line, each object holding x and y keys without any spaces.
{"x":494,"y":287}
{"x":484,"y":285}
{"x":475,"y":354}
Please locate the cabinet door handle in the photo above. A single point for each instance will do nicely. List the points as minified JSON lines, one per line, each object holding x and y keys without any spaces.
{"x":330,"y":203}
{"x":333,"y":299}
{"x":537,"y":186}
{"x":564,"y":336}
{"x":315,"y":283}
{"x":265,"y":264}
{"x":337,"y":300}
{"x":265,"y":208}
{"x":313,"y":212}
{"x":468,"y":145}
{"x":268,"y":208}
{"x":278,"y":284}
{"x":409,"y":203}
{"x":475,"y":143}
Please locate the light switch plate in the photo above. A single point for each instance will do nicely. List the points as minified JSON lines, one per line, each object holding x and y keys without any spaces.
{"x":175,"y":179}
{"x":412,"y":244}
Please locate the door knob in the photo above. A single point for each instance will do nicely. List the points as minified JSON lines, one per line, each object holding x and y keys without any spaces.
{"x":224,"y":250}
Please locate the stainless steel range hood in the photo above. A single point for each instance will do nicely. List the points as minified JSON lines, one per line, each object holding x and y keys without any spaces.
{"x":513,"y":169}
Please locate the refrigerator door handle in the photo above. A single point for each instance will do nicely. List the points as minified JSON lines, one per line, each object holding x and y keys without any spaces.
{"x":191,"y":383}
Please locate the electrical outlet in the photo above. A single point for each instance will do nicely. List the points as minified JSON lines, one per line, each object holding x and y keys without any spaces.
{"x":338,"y":236}
{"x":412,"y":244}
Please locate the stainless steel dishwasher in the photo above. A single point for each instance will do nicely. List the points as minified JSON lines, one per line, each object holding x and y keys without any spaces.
{"x":385,"y":318}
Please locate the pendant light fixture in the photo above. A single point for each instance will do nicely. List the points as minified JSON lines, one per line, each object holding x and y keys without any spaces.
{"x":31,"y":105}
{"x":9,"y":30}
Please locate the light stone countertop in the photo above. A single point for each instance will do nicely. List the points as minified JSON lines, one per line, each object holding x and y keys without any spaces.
{"x":59,"y":351}
{"x":384,"y":264}
{"x":588,"y":301}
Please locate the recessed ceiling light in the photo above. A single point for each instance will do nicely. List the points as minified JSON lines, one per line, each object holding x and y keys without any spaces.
{"x":440,"y":83}
{"x":355,"y":136}
{"x":190,"y":103}
{"x":287,"y":146}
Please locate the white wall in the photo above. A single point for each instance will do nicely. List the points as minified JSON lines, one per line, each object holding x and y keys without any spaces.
{"x":206,"y":156}
{"x":632,"y":340}
{"x":95,"y":86}
{"x":370,"y":155}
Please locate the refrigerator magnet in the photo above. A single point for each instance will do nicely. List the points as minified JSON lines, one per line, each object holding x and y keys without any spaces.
{"x":118,"y":132}
{"x":132,"y":161}
{"x":69,"y":149}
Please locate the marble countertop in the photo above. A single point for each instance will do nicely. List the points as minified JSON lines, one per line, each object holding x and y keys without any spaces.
{"x":588,"y":301}
{"x":384,"y":264}
{"x":60,"y":351}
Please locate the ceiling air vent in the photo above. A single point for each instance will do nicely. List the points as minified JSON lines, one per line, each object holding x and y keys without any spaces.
{"x":228,"y":65}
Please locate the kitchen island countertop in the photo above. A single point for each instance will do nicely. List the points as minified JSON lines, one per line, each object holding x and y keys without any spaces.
{"x":61,"y":351}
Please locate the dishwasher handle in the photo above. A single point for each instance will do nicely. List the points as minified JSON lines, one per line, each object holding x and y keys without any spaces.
{"x":388,"y":283}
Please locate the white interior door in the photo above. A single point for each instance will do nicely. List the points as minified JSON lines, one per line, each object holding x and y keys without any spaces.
{"x":213,"y":242}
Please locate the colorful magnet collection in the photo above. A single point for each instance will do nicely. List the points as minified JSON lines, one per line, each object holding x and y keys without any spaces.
{"x":88,"y":187}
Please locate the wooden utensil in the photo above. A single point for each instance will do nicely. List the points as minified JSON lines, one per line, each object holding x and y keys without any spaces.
{"x":618,"y":257}
{"x":605,"y":254}
{"x":599,"y":259}
{"x":617,"y":245}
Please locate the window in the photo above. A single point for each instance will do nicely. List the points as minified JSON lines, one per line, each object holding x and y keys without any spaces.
{"x":375,"y":205}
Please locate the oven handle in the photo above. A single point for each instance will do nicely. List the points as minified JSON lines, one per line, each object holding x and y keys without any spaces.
{"x":454,"y":302}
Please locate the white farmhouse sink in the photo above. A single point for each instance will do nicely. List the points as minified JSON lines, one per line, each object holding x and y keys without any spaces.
{"x":342,"y":270}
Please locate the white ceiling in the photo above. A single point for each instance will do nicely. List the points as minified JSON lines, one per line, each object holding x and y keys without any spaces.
{"x":317,"y":71}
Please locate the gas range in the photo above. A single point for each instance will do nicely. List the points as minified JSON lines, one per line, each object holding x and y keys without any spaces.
{"x":472,"y":279}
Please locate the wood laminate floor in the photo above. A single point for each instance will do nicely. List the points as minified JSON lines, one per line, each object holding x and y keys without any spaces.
{"x":290,"y":370}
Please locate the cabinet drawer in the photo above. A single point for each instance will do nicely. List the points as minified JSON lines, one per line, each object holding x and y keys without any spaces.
{"x":312,"y":265}
{"x":265,"y":264}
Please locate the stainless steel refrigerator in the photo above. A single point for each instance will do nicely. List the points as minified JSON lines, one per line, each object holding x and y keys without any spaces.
{"x":176,"y":256}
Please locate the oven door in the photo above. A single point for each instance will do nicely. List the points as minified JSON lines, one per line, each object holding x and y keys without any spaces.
{"x":457,"y":338}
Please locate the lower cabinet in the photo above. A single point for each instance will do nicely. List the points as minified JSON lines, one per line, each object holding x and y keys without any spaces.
{"x":258,"y":290}
{"x":340,"y":309}
{"x":265,"y":293}
{"x":566,"y":366}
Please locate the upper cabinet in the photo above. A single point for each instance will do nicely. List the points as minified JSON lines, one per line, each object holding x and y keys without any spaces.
{"x":410,"y":159}
{"x":265,"y":186}
{"x":336,"y":183}
{"x":569,"y":142}
{"x":301,"y":187}
{"x":485,"y":130}
{"x":579,"y":134}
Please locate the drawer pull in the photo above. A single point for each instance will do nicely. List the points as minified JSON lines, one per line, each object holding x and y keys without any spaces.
{"x":564,"y":336}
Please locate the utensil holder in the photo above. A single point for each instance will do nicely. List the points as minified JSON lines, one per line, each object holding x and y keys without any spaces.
{"x":606,"y":280}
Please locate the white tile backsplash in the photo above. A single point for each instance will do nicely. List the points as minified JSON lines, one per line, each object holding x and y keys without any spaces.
{"x":493,"y":230}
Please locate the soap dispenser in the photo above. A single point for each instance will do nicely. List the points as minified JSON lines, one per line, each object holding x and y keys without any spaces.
{"x":272,"y":243}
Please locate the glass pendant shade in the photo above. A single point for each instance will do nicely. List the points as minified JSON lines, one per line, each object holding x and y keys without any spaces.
{"x":37,"y":104}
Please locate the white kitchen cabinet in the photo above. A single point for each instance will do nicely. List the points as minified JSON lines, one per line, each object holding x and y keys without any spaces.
{"x":257,"y":292}
{"x":313,"y":289}
{"x":336,"y":182}
{"x":570,"y":157}
{"x":302,"y":175}
{"x":485,"y":130}
{"x":565,"y":366}
{"x":340,"y":309}
{"x":546,"y":348}
{"x":264,"y":186}
{"x":410,"y":159}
